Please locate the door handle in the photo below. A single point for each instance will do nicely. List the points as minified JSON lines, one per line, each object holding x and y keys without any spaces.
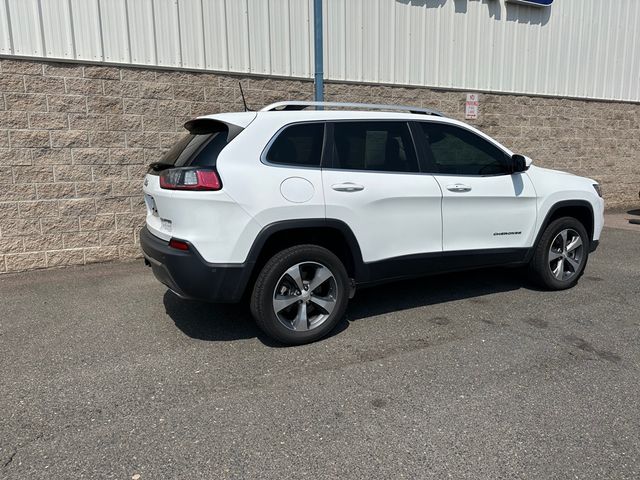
{"x":459,"y":187}
{"x":347,"y":187}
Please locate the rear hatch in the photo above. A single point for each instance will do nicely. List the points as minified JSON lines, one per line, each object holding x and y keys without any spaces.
{"x":189,"y":166}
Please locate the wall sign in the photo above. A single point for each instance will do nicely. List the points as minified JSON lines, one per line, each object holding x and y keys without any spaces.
{"x":533,"y":3}
{"x":471,"y":107}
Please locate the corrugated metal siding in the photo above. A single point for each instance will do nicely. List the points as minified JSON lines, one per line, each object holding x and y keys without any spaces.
{"x":142,"y":37}
{"x":87,"y":31}
{"x":577,"y":48}
{"x":26,"y":34}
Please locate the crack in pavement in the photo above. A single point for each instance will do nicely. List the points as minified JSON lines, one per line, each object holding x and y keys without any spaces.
{"x":13,"y":454}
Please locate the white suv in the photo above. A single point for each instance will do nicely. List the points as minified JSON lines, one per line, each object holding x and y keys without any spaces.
{"x":295,"y":208}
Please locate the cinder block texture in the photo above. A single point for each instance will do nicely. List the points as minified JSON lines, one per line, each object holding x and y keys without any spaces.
{"x":75,"y":139}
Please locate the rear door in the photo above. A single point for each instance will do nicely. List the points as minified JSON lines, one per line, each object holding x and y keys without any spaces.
{"x":372,"y":182}
{"x":484,"y":204}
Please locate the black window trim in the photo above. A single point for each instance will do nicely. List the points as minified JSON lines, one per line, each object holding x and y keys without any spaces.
{"x":428,"y":161}
{"x":265,"y":150}
{"x":426,"y":164}
{"x":328,"y":160}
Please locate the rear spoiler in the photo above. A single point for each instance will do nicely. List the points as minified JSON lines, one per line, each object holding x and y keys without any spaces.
{"x":204,"y":126}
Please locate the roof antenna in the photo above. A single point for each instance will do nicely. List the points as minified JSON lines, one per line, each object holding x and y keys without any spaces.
{"x":246,"y":109}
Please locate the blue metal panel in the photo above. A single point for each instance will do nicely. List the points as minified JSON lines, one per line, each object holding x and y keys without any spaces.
{"x":319,"y":61}
{"x":533,"y":3}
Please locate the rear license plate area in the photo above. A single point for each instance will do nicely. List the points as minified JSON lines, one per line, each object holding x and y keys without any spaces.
{"x":151,"y":205}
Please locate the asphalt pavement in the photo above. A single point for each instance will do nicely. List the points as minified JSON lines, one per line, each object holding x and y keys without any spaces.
{"x":105,"y":374}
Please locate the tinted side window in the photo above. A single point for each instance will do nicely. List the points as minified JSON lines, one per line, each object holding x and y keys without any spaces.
{"x":298,"y":145}
{"x":208,"y":156}
{"x":378,"y":146}
{"x":199,"y":149}
{"x":461,"y":152}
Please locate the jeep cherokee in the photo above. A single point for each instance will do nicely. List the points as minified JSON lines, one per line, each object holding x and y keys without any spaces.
{"x":294,"y":208}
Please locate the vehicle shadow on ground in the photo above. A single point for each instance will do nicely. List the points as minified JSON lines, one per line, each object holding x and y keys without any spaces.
{"x":422,"y":292}
{"x":209,"y":321}
{"x":218,"y":322}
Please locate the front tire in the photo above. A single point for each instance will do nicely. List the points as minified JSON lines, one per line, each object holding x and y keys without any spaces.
{"x":561,"y":255}
{"x":300,"y":294}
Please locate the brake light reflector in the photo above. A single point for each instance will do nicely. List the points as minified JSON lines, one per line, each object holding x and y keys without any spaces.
{"x":178,"y":244}
{"x":190,"y":179}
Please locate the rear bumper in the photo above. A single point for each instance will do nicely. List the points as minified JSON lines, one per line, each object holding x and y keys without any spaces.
{"x":189,"y":276}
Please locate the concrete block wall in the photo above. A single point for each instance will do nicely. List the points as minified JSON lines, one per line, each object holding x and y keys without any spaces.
{"x":75,"y":141}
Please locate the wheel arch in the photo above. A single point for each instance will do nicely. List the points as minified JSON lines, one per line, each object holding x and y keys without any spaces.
{"x":581,"y":210}
{"x":334,"y":235}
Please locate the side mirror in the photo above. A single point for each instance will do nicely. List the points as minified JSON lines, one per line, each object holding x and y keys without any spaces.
{"x":520,"y":163}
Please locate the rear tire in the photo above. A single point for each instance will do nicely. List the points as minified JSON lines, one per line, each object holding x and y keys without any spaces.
{"x":560,"y":256}
{"x":300,"y":294}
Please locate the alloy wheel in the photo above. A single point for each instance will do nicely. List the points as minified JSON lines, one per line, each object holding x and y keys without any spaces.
{"x":566,"y":254}
{"x":304,"y":296}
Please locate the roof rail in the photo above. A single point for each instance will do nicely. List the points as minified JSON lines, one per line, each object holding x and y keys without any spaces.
{"x":300,"y":105}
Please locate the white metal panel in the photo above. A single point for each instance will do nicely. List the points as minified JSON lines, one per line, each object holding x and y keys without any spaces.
{"x":415,"y":46}
{"x":370,"y":57}
{"x":26,"y":28}
{"x":279,"y":36}
{"x":353,"y":36}
{"x":431,"y":56}
{"x":167,"y":31}
{"x":632,"y":87}
{"x":215,"y":35}
{"x":258,"y":24}
{"x":577,"y":48}
{"x":113,"y":18}
{"x":5,"y":34}
{"x":459,"y":42}
{"x":300,"y":35}
{"x":87,"y":30}
{"x":335,"y":36}
{"x":193,"y":47}
{"x":142,"y":34}
{"x":57,"y":28}
{"x":238,"y":35}
{"x":385,"y":47}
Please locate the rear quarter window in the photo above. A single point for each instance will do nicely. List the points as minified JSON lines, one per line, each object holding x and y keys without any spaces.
{"x":298,"y":145}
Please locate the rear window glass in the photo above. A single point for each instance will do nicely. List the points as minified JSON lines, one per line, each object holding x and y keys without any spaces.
{"x":196,"y":150}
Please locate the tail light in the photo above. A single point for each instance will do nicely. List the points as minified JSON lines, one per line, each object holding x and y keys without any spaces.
{"x":190,"y":179}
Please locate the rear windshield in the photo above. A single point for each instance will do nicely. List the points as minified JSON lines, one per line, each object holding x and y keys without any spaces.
{"x":199,"y":150}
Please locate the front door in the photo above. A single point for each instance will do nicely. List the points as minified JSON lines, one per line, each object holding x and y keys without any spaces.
{"x":484,"y":205}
